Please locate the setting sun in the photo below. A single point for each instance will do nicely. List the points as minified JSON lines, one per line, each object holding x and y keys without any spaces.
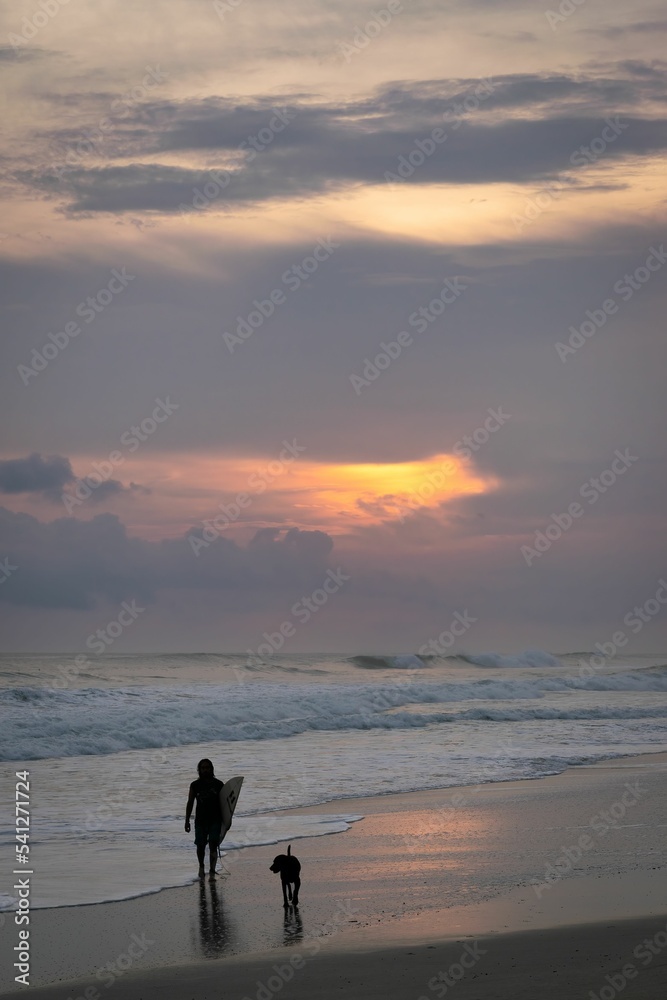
{"x":287,"y":489}
{"x":376,"y":491}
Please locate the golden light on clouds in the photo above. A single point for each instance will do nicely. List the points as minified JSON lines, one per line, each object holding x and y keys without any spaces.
{"x":466,"y":214}
{"x":371,"y":492}
{"x":282,"y":490}
{"x":461,"y":215}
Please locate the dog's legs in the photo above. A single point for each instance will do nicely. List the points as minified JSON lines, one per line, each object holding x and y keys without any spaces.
{"x":285,"y":903}
{"x":297,"y":886}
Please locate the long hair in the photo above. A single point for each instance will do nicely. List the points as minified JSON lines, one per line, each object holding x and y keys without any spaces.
{"x":205,"y":760}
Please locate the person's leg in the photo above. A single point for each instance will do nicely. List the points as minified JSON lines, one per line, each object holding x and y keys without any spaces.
{"x":214,"y":841}
{"x":214,"y":855}
{"x":200,"y":841}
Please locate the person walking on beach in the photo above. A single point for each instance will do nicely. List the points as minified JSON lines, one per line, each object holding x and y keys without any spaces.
{"x":208,"y":816}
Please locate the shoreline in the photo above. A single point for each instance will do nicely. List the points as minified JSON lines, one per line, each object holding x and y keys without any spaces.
{"x":370,"y":802}
{"x":423,"y":867}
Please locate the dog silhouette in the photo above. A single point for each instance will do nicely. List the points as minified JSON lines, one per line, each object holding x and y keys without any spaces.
{"x":289,"y":868}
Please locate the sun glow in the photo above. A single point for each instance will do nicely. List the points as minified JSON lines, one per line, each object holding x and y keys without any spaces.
{"x":372,"y":492}
{"x":286,"y":489}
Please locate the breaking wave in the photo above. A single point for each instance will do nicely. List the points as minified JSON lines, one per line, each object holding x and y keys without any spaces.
{"x":42,"y":722}
{"x":407,"y":662}
{"x":531,"y":658}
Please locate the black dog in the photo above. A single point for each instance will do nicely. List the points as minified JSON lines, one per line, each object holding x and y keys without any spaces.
{"x":289,"y":868}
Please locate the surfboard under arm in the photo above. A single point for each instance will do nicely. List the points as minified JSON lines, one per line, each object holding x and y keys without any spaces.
{"x":229,"y":796}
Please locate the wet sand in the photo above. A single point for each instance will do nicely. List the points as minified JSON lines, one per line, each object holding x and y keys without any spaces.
{"x":528,"y":888}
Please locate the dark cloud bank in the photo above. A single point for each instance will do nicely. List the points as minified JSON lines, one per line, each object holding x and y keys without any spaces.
{"x":518,"y":128}
{"x":53,"y":478}
{"x":68,"y":563}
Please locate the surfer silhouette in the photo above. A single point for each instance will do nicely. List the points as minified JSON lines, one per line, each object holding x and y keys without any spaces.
{"x":208,"y":816}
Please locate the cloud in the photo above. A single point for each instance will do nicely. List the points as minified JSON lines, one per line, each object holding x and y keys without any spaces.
{"x":157,"y":188}
{"x":10,"y":54}
{"x":70,"y":563}
{"x":521,"y":128}
{"x":515,"y":151}
{"x":35,"y":474}
{"x":111,"y":488}
{"x":54,"y":478}
{"x":623,"y":30}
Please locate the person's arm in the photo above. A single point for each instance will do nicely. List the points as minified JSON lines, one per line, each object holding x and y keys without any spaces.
{"x":188,"y":809}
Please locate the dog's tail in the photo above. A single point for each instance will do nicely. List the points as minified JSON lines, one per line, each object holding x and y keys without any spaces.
{"x":289,"y":850}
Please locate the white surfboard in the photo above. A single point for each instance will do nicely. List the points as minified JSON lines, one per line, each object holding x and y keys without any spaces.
{"x":229,"y":796}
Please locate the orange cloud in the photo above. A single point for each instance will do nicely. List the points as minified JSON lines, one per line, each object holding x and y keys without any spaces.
{"x":371,"y":492}
{"x":286,"y":489}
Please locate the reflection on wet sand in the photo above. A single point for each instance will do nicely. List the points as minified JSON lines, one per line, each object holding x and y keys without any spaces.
{"x":215,"y":936}
{"x":292,"y":926}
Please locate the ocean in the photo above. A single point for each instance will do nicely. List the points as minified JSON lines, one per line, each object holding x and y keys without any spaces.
{"x":112,"y":747}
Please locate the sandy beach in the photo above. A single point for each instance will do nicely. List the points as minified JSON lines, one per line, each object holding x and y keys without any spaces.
{"x":553,"y":887}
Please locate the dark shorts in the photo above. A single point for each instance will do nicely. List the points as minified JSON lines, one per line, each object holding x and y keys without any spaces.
{"x":208,"y":832}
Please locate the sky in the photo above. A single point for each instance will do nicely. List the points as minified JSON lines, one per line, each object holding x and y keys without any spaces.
{"x":333,"y":327}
